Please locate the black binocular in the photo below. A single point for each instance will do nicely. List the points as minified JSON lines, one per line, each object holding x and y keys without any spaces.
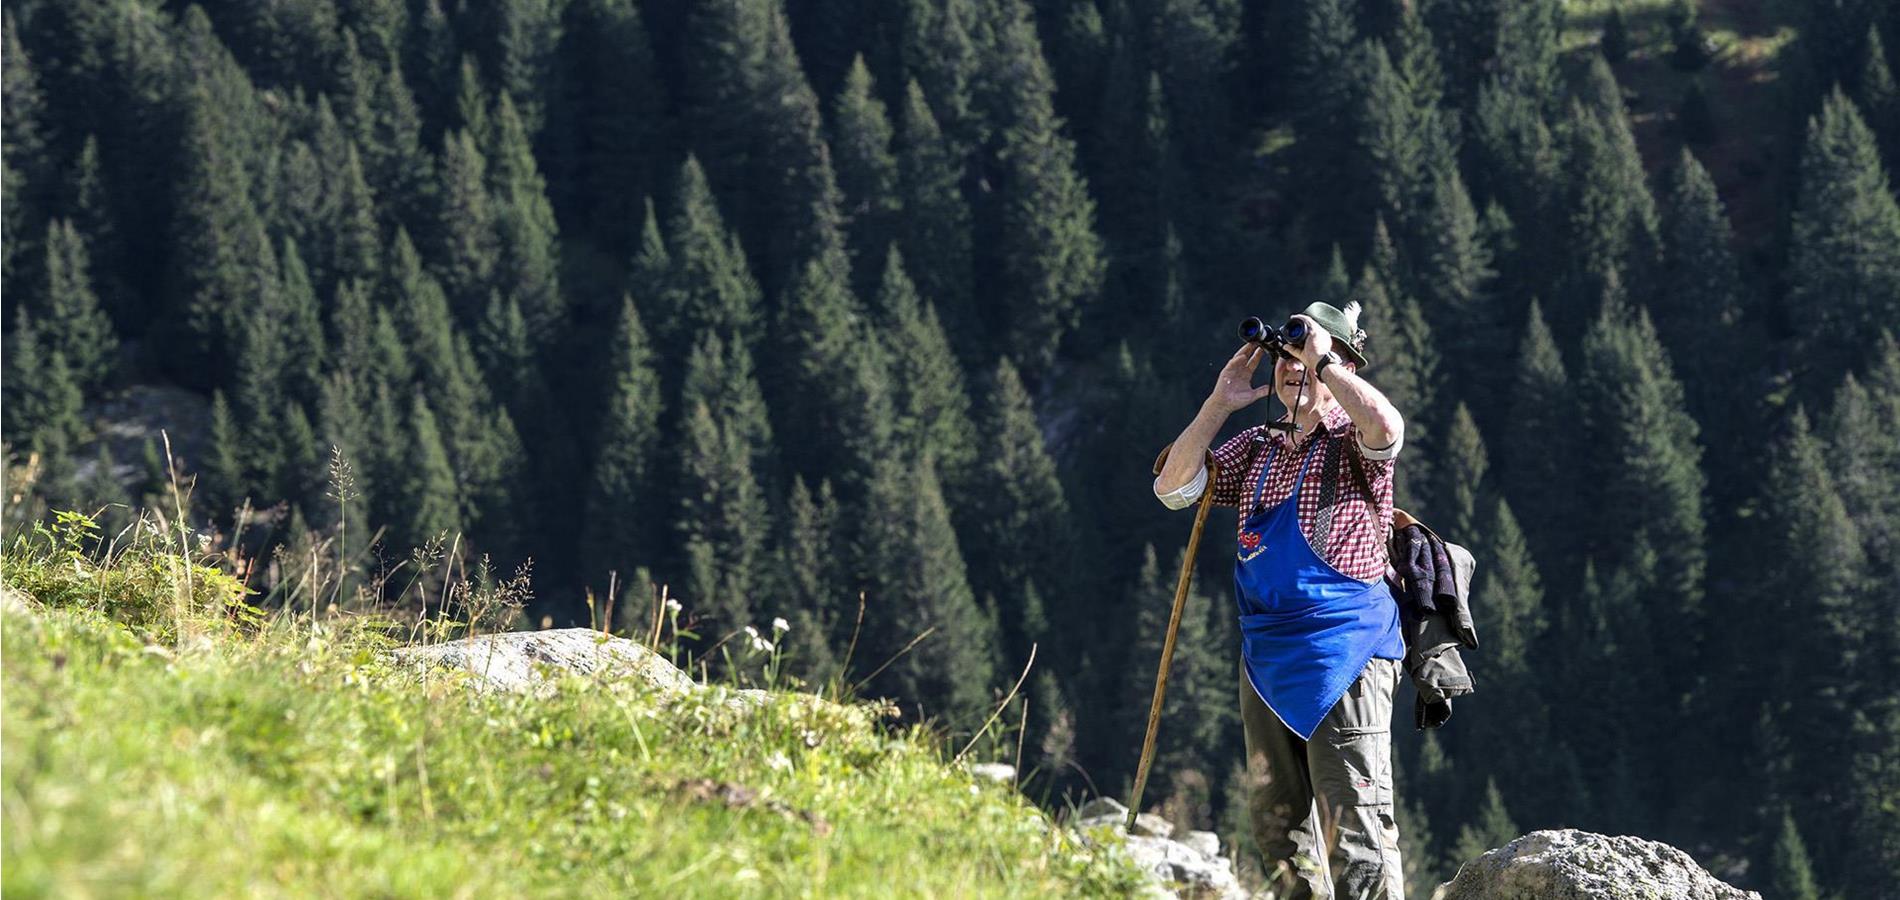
{"x":1256,"y":331}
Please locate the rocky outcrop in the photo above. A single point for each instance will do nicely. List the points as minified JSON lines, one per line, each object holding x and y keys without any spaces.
{"x":1579,"y":865}
{"x":1191,"y":867}
{"x":528,"y":661}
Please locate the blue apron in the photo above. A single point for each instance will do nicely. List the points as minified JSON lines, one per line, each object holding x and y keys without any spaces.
{"x":1306,"y":629}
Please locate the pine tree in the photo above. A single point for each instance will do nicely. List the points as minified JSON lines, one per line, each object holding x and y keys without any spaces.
{"x":723,"y":522}
{"x":1453,"y":287}
{"x":350,"y":231}
{"x":1540,"y":476}
{"x":42,"y":399}
{"x":867,"y":170}
{"x":305,"y":343}
{"x":95,"y":219}
{"x":466,"y":223}
{"x":1406,"y":361}
{"x":605,"y":142}
{"x":1020,"y":527}
{"x":1044,"y":264}
{"x":1844,"y":254}
{"x":1789,"y":873}
{"x":1612,"y":229}
{"x":221,"y":259}
{"x":1879,"y":97}
{"x":932,"y":398}
{"x":719,"y":374}
{"x":222,"y":472}
{"x":1493,"y":828}
{"x":425,"y":493}
{"x":809,"y":586}
{"x":69,"y":309}
{"x":835,"y":359}
{"x":1199,"y":705}
{"x":936,"y":222}
{"x":916,"y":583}
{"x":1699,"y":307}
{"x":940,"y":53}
{"x":1644,"y":464}
{"x":1462,"y":469}
{"x":24,"y":145}
{"x":623,"y":489}
{"x":528,"y":265}
{"x":709,"y":267}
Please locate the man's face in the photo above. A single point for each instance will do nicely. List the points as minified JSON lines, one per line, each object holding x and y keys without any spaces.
{"x":1286,"y":386}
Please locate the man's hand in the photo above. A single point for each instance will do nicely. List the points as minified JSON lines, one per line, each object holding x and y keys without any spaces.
{"x":1318,"y":342}
{"x":1234,"y":390}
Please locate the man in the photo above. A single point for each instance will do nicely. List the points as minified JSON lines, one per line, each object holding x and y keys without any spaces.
{"x":1321,"y":645}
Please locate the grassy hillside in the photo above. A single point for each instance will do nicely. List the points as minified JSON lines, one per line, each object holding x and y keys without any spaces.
{"x":163,"y":739}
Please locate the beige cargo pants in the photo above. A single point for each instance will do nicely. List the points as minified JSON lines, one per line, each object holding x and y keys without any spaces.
{"x":1336,"y":788}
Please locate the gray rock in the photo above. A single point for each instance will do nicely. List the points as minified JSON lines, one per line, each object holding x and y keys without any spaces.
{"x":1207,"y":843}
{"x":1579,"y":865}
{"x":520,"y":661}
{"x":1193,"y":868}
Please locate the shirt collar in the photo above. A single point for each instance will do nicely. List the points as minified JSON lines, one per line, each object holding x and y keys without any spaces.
{"x":1331,"y":420}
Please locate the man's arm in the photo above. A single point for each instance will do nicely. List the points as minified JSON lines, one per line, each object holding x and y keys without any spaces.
{"x":1378,"y":421}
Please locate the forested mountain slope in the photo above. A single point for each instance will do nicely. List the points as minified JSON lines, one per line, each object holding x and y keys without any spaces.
{"x":778,"y":305}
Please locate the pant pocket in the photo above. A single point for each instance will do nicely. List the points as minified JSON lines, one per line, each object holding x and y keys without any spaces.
{"x":1360,"y":770}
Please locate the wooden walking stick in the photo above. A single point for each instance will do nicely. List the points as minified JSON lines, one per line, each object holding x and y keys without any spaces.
{"x":1167,"y":646}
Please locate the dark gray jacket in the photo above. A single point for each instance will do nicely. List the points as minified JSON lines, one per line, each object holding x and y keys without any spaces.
{"x":1437,"y":624}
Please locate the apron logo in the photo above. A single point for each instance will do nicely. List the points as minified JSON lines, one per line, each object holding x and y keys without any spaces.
{"x":1250,"y":545}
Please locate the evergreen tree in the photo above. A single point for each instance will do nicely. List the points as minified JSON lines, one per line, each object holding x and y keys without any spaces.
{"x":605,"y":142}
{"x":723,"y":521}
{"x":1492,"y":829}
{"x":1200,"y":700}
{"x":1044,"y":263}
{"x":814,"y":599}
{"x":1407,"y":366}
{"x":837,"y":391}
{"x":69,"y":309}
{"x":528,"y":266}
{"x":628,"y":442}
{"x":1789,"y":873}
{"x":867,"y":169}
{"x":424,"y":487}
{"x":719,"y":374}
{"x":42,"y":399}
{"x":354,"y":238}
{"x":1612,"y":229}
{"x":1453,"y":286}
{"x":1462,"y":467}
{"x":95,"y":219}
{"x":1021,"y":530}
{"x":23,"y":147}
{"x":221,"y":259}
{"x":932,"y":399}
{"x":1699,"y":306}
{"x":469,"y":245}
{"x":940,"y":53}
{"x":915,"y":583}
{"x":1844,"y":254}
{"x":936,"y":222}
{"x":305,"y":343}
{"x":1879,"y":97}
{"x":1540,"y":476}
{"x":708,"y":266}
{"x":222,"y":472}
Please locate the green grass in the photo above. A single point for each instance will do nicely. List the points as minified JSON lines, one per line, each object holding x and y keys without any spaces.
{"x":160,"y":738}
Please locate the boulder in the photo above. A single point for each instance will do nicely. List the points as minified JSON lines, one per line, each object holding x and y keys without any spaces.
{"x":521,"y":661}
{"x":1192,"y":869}
{"x":1578,"y":865}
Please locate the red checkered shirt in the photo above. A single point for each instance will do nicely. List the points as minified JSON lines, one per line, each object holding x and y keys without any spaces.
{"x":1339,"y":525}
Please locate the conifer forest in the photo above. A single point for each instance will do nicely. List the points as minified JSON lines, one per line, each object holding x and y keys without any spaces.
{"x":774,"y":305}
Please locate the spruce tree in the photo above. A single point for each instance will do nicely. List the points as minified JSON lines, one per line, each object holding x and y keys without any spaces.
{"x":1020,"y":527}
{"x":1699,"y":306}
{"x":96,"y":220}
{"x":1405,"y":370}
{"x":835,"y":358}
{"x":1879,"y":97}
{"x":916,"y":583}
{"x":42,"y":399}
{"x":1844,"y":253}
{"x":932,"y":398}
{"x":1492,"y":829}
{"x":1541,"y":476}
{"x":867,"y":170}
{"x":809,"y":588}
{"x":1789,"y":873}
{"x":719,"y":374}
{"x":222,"y":473}
{"x":221,"y":259}
{"x":1044,"y":262}
{"x":940,"y":53}
{"x":1612,"y":229}
{"x":466,"y":224}
{"x":605,"y":140}
{"x":528,"y":265}
{"x":723,"y":522}
{"x":351,"y":231}
{"x":709,"y":268}
{"x":622,"y":494}
{"x":1462,"y":468}
{"x":69,"y":309}
{"x":935,"y":227}
{"x":424,"y":493}
{"x":305,"y":343}
{"x":24,"y":146}
{"x":1454,"y":290}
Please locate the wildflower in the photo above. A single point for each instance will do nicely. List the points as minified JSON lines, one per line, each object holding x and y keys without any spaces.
{"x":780,"y":625}
{"x":672,"y":605}
{"x":778,"y":761}
{"x":761,"y":644}
{"x":751,"y":632}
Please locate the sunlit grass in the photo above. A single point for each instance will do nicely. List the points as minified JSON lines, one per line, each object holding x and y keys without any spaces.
{"x":177,"y":742}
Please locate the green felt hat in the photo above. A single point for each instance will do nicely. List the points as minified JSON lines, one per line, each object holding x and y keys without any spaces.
{"x":1343,"y":325}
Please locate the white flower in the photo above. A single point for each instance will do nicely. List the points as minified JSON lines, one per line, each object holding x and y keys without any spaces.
{"x":779,"y":625}
{"x":778,"y":761}
{"x":761,"y":644}
{"x":672,"y":605}
{"x":751,"y":632}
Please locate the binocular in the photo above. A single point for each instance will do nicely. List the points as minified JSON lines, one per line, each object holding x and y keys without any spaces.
{"x":1256,"y":331}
